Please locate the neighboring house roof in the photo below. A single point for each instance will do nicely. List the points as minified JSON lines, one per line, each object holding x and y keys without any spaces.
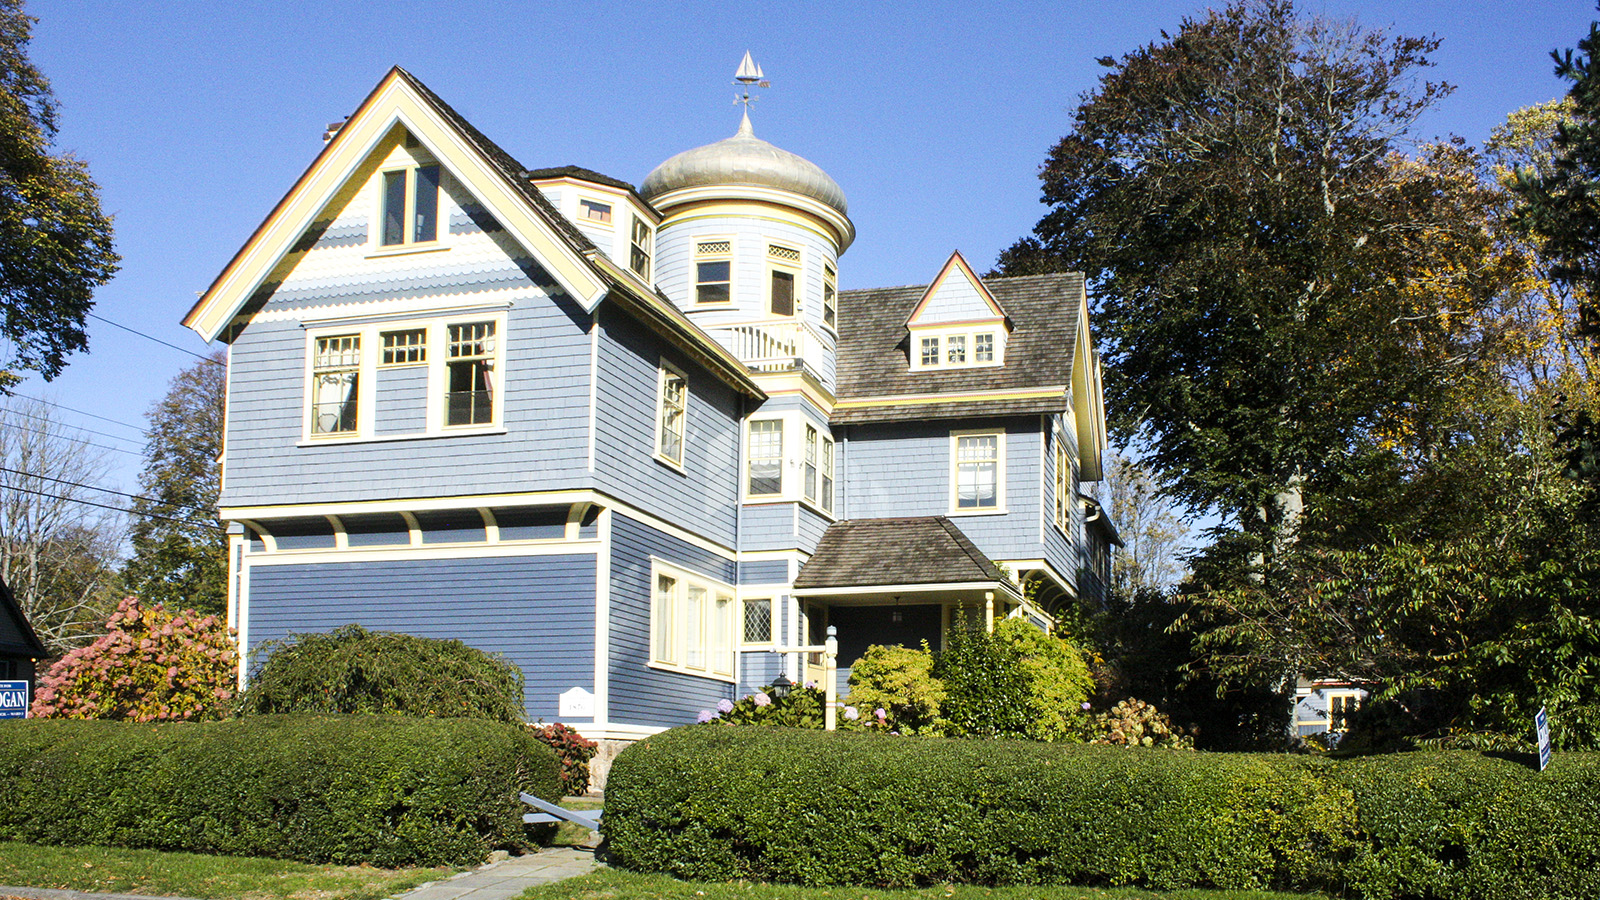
{"x":874,"y":373}
{"x":17,"y":637}
{"x":919,"y":551}
{"x":580,"y":173}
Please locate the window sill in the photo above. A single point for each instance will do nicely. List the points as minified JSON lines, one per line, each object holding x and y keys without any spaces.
{"x":976,"y":512}
{"x":384,"y":438}
{"x":407,"y":250}
{"x":674,"y":466}
{"x":693,"y":673}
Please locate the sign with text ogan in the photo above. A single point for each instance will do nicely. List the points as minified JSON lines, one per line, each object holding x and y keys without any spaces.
{"x":13,"y":699}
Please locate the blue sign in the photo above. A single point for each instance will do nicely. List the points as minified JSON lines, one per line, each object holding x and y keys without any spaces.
{"x":1541,"y":724}
{"x":13,"y":699}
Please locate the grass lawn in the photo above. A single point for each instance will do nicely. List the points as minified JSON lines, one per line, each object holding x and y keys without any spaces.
{"x":117,"y":871}
{"x":612,"y":884}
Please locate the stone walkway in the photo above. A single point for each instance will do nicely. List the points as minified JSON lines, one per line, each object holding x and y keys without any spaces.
{"x":509,"y":877}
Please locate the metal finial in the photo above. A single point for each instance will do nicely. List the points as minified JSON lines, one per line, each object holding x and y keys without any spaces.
{"x":748,"y":76}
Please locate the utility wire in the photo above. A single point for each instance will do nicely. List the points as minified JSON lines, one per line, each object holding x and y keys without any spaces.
{"x":86,"y":443}
{"x":119,"y":509}
{"x":138,"y":428}
{"x":156,"y":339}
{"x":114,"y":437}
{"x":93,"y":487}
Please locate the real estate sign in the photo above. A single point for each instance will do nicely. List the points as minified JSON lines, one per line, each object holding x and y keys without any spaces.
{"x":13,"y":699}
{"x":1541,"y":724}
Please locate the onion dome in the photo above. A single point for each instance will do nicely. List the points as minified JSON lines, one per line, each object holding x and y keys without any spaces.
{"x":744,"y":159}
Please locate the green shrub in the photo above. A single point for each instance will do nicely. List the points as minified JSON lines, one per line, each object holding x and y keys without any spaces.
{"x":574,"y":750}
{"x":352,"y":670}
{"x":871,"y":809}
{"x":151,"y":665}
{"x":1468,"y":825}
{"x":802,"y":707}
{"x":1057,"y":679}
{"x":1016,"y":682}
{"x":899,"y":681}
{"x":378,"y":790}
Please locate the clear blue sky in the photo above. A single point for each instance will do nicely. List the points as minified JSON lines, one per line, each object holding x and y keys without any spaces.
{"x":196,"y":117}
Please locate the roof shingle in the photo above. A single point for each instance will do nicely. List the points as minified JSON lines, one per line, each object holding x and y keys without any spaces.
{"x":923,"y":550}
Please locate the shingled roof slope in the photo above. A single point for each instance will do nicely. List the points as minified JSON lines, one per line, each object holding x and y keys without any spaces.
{"x":923,"y":550}
{"x":17,"y":637}
{"x":873,"y":344}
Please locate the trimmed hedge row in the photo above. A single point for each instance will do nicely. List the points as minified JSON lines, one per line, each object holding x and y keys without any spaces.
{"x":865,"y":809}
{"x":381,"y":790}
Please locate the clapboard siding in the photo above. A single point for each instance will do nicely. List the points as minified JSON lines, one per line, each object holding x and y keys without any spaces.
{"x":402,"y":399}
{"x":703,"y":494}
{"x":641,"y":695}
{"x":771,"y":571}
{"x":757,"y":670}
{"x":537,"y":611}
{"x":903,"y":469}
{"x":1067,"y":551}
{"x":768,"y":526}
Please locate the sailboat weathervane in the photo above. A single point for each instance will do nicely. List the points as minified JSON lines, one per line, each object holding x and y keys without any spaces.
{"x":749,"y":75}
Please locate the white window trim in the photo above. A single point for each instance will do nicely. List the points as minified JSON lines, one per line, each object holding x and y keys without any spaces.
{"x":1065,"y":488}
{"x":663,"y":369}
{"x":772,"y":623}
{"x":403,"y":160}
{"x":609,"y":203}
{"x":967,"y":330}
{"x":999,"y":509}
{"x":714,"y":589}
{"x":437,"y":353}
{"x":792,"y":468}
{"x":796,"y":268}
{"x":785,"y":480}
{"x":648,"y":249}
{"x":694,"y":272}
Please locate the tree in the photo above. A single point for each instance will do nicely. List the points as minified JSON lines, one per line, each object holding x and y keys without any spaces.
{"x":58,"y":538}
{"x":1271,"y":275}
{"x":1152,"y":532}
{"x":180,"y":552}
{"x":55,"y":243}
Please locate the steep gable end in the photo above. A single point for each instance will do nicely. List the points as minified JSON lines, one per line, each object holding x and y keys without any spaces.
{"x":957,"y":323}
{"x":401,"y":128}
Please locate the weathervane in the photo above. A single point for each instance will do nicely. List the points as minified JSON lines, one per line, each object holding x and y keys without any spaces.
{"x":749,"y":75}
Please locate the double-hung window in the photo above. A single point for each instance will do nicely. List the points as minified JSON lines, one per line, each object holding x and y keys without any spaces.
{"x":819,"y":469}
{"x":785,"y":264}
{"x":713,"y":271}
{"x":671,"y":414}
{"x":811,"y":464}
{"x":639,"y":253}
{"x":410,"y":206}
{"x":1064,"y":482}
{"x":469,"y":397}
{"x":830,"y":296}
{"x":764,"y":453}
{"x":691,"y":623}
{"x":335,"y":384}
{"x":977,"y":471}
{"x":827,"y":475}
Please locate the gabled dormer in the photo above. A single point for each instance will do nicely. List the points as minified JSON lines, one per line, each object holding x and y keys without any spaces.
{"x":957,"y":324}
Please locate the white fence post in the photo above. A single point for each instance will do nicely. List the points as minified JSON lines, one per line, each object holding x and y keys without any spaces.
{"x":830,"y":675}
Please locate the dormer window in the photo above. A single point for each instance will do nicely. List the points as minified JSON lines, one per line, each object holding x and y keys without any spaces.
{"x":410,"y":206}
{"x":956,"y":349}
{"x":983,"y":347}
{"x":595,"y":211}
{"x":950,"y":348}
{"x":960,"y":317}
{"x":930,"y":352}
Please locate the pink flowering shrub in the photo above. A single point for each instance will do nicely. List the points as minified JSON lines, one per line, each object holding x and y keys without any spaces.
{"x":150,"y":666}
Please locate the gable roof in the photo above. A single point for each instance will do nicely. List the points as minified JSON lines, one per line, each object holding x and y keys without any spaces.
{"x":495,"y":179}
{"x":875,"y":381}
{"x":17,"y":637}
{"x":956,"y":265}
{"x":916,"y":551}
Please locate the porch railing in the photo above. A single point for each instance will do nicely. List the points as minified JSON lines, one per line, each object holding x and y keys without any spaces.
{"x":829,"y":649}
{"x":770,"y":346}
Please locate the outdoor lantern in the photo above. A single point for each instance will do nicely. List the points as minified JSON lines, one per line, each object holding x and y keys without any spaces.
{"x":781,"y":686}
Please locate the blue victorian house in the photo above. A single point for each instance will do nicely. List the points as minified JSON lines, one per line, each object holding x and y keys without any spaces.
{"x":634,"y":438}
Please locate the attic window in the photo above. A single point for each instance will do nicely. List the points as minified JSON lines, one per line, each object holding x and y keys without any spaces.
{"x":410,"y":206}
{"x":949,"y":348}
{"x":595,"y":211}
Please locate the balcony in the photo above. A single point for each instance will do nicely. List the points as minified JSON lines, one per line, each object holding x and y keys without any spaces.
{"x":770,"y":347}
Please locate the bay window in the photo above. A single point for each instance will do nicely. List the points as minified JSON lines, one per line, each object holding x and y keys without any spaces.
{"x":691,"y":623}
{"x":764,"y":453}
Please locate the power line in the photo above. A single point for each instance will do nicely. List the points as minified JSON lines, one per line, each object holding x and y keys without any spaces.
{"x":138,"y":428}
{"x":114,"y":437}
{"x":94,"y":487}
{"x":115,"y":508}
{"x":156,"y":339}
{"x":82,"y":441}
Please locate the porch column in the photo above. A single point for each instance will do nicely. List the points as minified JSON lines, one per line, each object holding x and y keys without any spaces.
{"x":830,"y":677}
{"x":988,"y":612}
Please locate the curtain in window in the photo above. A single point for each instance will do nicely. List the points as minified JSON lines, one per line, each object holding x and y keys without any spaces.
{"x":977,"y":471}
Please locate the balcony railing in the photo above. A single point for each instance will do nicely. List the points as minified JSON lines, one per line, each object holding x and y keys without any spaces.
{"x":772,"y":346}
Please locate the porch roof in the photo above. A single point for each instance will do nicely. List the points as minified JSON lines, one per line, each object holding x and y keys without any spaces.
{"x":923,"y":551}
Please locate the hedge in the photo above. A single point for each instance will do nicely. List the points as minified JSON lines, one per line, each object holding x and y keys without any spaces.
{"x":380,"y":790}
{"x":866,"y":809}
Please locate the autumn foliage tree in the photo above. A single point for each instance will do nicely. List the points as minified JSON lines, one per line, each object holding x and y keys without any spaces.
{"x":151,"y":665}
